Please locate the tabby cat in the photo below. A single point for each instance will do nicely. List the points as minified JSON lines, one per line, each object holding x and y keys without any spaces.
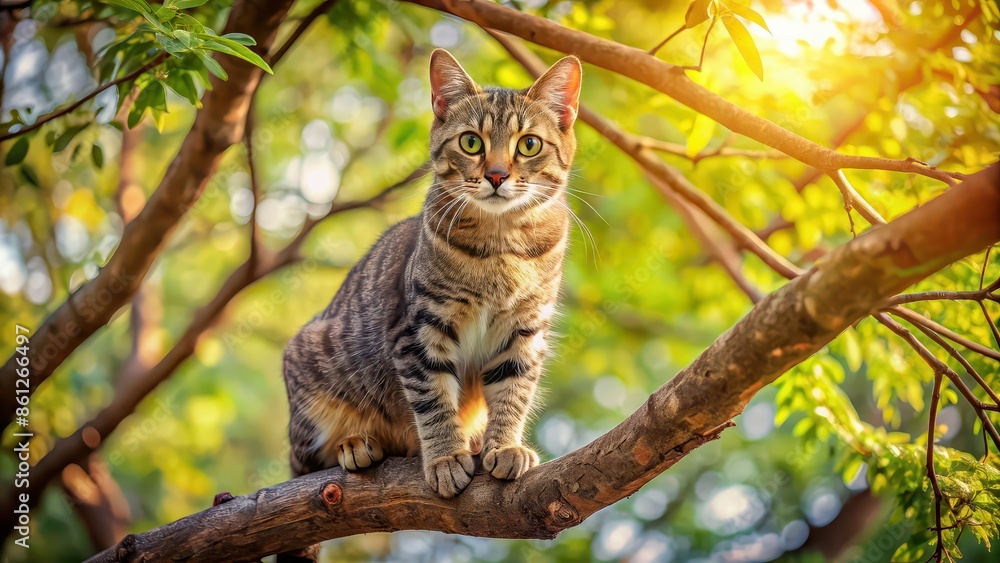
{"x":435,"y":341}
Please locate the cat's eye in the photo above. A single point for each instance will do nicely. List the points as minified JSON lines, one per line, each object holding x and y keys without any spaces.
{"x":529,"y":145}
{"x":471,"y":143}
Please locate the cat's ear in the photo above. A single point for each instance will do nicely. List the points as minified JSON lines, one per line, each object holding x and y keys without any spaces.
{"x":449,"y":82}
{"x":560,"y":87}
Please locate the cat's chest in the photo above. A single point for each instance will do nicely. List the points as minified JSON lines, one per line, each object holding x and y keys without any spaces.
{"x":482,"y":334}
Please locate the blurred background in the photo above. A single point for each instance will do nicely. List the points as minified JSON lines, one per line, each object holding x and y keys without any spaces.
{"x":347,"y":113}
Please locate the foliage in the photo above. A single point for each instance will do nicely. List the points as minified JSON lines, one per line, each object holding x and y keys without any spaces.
{"x":346,"y":113}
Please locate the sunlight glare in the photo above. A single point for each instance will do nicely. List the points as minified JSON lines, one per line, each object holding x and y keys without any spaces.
{"x":816,"y":25}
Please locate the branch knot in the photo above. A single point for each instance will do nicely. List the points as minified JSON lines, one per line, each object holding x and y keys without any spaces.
{"x":332,"y":494}
{"x":562,"y":515}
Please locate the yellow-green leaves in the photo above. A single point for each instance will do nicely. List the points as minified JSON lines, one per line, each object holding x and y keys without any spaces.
{"x":701,"y":11}
{"x":748,"y":13}
{"x":744,"y":43}
{"x":701,"y":134}
{"x":697,"y":13}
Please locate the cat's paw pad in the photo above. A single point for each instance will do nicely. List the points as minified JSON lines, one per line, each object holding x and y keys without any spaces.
{"x":358,"y":452}
{"x":509,"y":462}
{"x":450,"y":474}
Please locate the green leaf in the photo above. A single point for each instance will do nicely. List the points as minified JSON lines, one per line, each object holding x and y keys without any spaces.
{"x":230,"y":47}
{"x":17,"y":152}
{"x":28,"y":173}
{"x":183,"y":85}
{"x":213,"y":66}
{"x":697,"y":13}
{"x":135,"y":115}
{"x":191,"y":25}
{"x":241,"y":38}
{"x":63,"y":140}
{"x":701,"y":134}
{"x":188,"y":4}
{"x":157,"y":96}
{"x":171,"y":45}
{"x":155,"y":23}
{"x":184,"y":37}
{"x":97,"y":155}
{"x":744,"y":43}
{"x":165,"y":14}
{"x":750,"y":14}
{"x":137,"y":6}
{"x":152,"y":96}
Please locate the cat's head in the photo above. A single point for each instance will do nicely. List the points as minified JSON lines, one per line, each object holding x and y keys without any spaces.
{"x":502,"y":150}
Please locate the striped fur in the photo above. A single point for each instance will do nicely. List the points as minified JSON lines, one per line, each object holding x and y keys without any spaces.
{"x":435,"y":341}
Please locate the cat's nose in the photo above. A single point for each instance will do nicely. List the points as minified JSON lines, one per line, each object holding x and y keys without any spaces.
{"x":497,"y":177}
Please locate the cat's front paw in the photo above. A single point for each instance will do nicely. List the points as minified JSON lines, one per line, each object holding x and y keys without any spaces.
{"x":358,"y":452}
{"x":509,"y":462}
{"x":450,"y":474}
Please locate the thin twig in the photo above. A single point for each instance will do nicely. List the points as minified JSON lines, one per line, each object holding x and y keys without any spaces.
{"x":853,"y":200}
{"x":668,"y":38}
{"x":966,"y":365}
{"x":917,"y":318}
{"x":248,"y":132}
{"x":982,"y":305}
{"x":49,"y":117}
{"x":940,"y":367}
{"x":704,"y":47}
{"x":681,"y":150}
{"x":300,"y":29}
{"x":942,"y":295}
{"x":939,"y":549}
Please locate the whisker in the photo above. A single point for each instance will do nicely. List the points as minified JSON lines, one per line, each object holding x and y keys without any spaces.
{"x":455,"y":217}
{"x":444,"y":212}
{"x":568,"y":192}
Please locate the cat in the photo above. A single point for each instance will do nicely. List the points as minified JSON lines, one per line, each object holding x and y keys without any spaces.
{"x":434,"y":343}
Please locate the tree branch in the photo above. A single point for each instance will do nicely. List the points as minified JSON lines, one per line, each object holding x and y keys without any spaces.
{"x":722,"y":151}
{"x":304,"y":24}
{"x":692,"y":408}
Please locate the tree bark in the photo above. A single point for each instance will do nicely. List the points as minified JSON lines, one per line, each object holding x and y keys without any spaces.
{"x":218,"y":125}
{"x":692,"y":408}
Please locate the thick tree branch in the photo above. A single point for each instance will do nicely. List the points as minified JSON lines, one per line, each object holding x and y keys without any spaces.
{"x":781,"y":331}
{"x":218,"y":125}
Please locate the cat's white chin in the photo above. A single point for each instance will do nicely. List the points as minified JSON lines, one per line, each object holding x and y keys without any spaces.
{"x":496,"y":205}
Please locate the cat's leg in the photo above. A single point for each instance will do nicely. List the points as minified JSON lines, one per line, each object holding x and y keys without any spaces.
{"x":432,"y":389}
{"x":509,"y":388}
